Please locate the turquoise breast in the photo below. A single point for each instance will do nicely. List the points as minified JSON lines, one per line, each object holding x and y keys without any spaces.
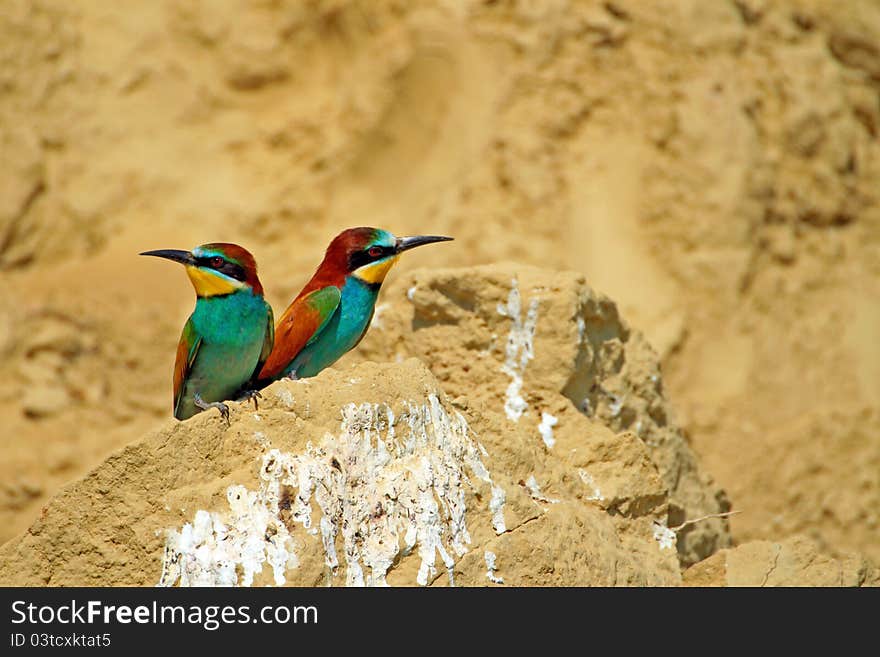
{"x":232,"y":329}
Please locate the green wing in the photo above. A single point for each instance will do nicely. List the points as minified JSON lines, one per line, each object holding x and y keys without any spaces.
{"x":324,"y":302}
{"x":187,"y":348}
{"x":268,"y":341}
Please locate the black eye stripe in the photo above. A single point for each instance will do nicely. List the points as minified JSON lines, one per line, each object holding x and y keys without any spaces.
{"x":361,"y":258}
{"x":231,"y":269}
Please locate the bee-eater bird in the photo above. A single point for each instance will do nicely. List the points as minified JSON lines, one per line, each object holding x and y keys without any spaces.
{"x":230,"y":333}
{"x":333,"y":311}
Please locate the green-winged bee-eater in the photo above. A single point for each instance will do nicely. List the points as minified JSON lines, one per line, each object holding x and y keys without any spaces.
{"x":333,"y":311}
{"x":230,"y":333}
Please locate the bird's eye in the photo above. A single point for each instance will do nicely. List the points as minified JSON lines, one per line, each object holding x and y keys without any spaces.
{"x":375,"y":251}
{"x":217,"y":262}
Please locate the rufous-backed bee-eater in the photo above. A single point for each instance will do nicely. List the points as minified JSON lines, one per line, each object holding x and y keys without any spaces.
{"x":230,"y":333}
{"x":333,"y":311}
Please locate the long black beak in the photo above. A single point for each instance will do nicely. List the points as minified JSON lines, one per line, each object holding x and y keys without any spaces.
{"x":183,"y":257}
{"x":407,"y":243}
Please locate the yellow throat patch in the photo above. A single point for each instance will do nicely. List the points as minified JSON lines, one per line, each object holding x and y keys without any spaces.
{"x":375,"y":272}
{"x":208,"y":284}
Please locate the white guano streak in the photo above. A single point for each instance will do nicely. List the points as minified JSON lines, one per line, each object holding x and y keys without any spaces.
{"x":664,"y":536}
{"x":519,"y":350}
{"x":535,"y":491}
{"x":546,"y":429}
{"x":383,"y":492}
{"x":595,"y":493}
{"x":491,"y":568}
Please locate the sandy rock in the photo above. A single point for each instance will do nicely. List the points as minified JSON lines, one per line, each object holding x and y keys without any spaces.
{"x":21,"y":186}
{"x":711,"y":166}
{"x":51,"y":354}
{"x":19,"y":491}
{"x":796,"y":561}
{"x":570,"y":545}
{"x":42,"y":401}
{"x":363,"y":476}
{"x":541,"y":352}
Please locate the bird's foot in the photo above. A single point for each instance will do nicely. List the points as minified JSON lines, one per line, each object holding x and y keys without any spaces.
{"x":220,"y":406}
{"x":247,"y":395}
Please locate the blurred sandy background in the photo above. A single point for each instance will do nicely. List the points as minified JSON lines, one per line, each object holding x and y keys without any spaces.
{"x":713,"y":165}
